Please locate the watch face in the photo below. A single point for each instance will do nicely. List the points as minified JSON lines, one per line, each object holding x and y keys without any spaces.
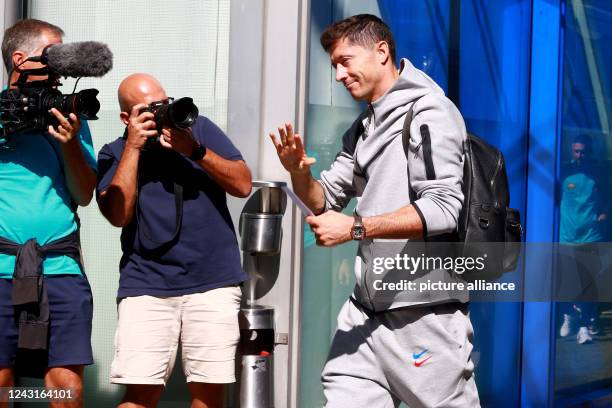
{"x":358,"y":232}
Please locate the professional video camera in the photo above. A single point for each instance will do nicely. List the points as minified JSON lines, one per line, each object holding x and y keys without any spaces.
{"x":26,"y":106}
{"x":181,"y":113}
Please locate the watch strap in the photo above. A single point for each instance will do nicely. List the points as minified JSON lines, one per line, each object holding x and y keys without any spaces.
{"x":357,"y":229}
{"x":198,"y":153}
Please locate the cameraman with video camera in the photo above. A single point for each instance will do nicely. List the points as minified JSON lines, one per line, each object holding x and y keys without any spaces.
{"x":45,"y":173}
{"x":165,"y":183}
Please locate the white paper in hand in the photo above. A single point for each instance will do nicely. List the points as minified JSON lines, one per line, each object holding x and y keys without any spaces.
{"x":305,"y":210}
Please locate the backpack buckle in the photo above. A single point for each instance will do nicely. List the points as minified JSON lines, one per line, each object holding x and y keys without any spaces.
{"x":483,"y":222}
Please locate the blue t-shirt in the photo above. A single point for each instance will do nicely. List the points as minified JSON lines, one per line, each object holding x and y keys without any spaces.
{"x":205,"y":255}
{"x":35,"y":201}
{"x":581,"y":204}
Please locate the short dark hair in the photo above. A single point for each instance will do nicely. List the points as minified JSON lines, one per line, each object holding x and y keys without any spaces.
{"x":582,"y":139}
{"x":24,"y":35}
{"x":363,"y":29}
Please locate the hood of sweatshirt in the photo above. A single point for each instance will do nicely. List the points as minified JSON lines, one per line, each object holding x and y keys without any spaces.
{"x":384,"y":120}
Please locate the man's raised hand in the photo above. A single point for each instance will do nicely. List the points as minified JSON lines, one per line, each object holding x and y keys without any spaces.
{"x":291,"y":152}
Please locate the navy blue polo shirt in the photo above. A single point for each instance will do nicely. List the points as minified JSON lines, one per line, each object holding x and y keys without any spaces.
{"x":205,"y":254}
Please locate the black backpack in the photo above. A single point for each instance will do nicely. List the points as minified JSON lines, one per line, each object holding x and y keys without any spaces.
{"x":486,"y":216}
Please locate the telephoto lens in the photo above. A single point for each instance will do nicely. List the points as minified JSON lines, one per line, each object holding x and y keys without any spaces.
{"x":83,"y":104}
{"x":181,"y":113}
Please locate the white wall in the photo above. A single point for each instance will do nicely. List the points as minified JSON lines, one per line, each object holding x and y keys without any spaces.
{"x":271,"y":52}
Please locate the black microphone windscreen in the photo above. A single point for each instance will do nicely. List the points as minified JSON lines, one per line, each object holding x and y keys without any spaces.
{"x":80,"y":59}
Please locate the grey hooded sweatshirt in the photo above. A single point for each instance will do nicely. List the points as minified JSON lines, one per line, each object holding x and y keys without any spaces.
{"x":372,"y":168}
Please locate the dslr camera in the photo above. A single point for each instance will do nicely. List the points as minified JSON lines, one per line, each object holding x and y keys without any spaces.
{"x":179,"y":114}
{"x":26,"y":105}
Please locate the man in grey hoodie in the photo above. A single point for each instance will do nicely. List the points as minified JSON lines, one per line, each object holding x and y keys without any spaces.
{"x":407,"y":340}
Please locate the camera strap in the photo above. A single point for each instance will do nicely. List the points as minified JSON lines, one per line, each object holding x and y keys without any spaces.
{"x":144,"y":235}
{"x":150,"y":243}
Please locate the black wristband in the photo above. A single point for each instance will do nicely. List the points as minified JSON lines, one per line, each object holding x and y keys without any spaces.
{"x":198,"y":153}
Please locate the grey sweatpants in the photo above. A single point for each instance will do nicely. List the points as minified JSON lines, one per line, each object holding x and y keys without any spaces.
{"x":420,"y":356}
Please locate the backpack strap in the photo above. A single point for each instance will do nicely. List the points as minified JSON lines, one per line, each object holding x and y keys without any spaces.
{"x":351,"y":136}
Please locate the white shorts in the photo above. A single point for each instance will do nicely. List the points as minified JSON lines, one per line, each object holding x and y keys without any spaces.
{"x":150,"y":327}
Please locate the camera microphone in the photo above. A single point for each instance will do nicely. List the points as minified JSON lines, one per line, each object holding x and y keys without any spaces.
{"x":26,"y":106}
{"x":78,"y":59}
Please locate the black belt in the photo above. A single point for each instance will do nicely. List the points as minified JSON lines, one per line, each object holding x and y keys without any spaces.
{"x":371,"y":313}
{"x":29,"y":293}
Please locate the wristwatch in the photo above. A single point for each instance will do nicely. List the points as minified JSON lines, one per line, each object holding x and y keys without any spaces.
{"x":198,"y":153}
{"x":358,"y":231}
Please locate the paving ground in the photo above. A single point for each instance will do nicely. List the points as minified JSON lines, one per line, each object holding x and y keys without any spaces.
{"x":585,"y":367}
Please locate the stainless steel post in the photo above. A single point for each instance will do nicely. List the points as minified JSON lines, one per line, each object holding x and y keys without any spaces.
{"x":260,"y":237}
{"x":257,"y":348}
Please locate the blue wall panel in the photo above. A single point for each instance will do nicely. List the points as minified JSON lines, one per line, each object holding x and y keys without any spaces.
{"x":543,"y":135}
{"x":479,"y":53}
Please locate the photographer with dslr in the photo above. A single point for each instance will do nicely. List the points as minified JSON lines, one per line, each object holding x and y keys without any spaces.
{"x":44,"y":175}
{"x":165,"y":183}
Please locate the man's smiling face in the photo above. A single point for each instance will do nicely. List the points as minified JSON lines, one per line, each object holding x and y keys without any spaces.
{"x":357,"y":67}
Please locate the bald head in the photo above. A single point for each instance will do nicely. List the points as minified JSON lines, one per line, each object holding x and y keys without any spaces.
{"x":139,"y":88}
